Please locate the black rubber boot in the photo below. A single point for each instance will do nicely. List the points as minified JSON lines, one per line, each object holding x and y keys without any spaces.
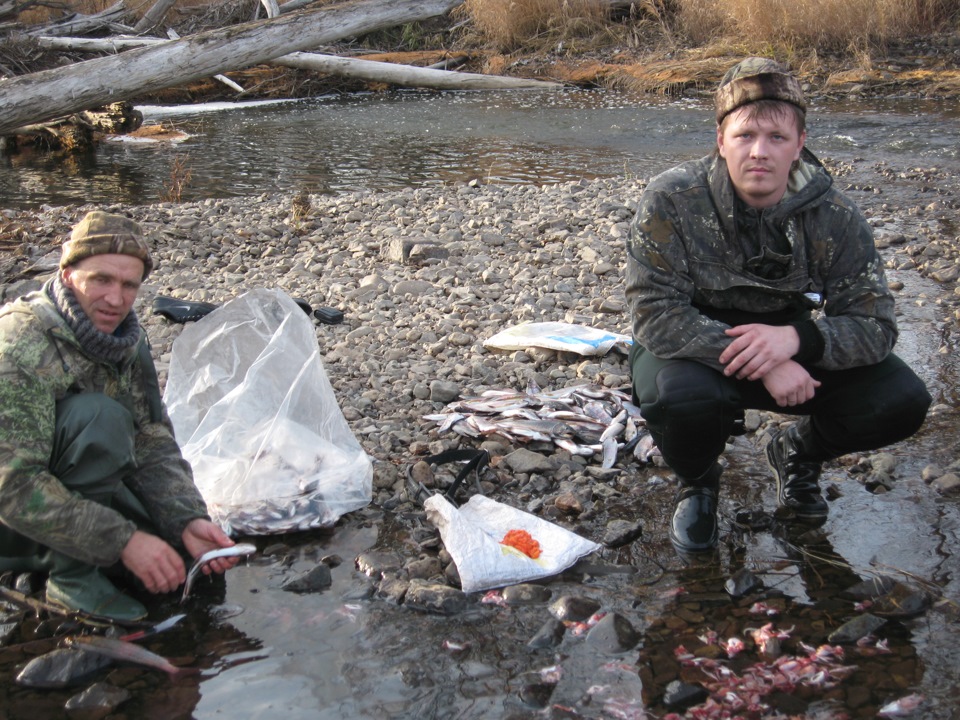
{"x":796,"y":466}
{"x":693,"y":528}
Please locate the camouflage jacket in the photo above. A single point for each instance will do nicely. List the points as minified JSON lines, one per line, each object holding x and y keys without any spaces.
{"x":700,"y":261}
{"x":40,"y":363}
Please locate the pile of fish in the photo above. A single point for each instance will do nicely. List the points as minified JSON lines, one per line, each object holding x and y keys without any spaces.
{"x":587,"y":420}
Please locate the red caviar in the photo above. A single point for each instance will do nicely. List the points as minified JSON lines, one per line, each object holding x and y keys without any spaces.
{"x":522,"y":541}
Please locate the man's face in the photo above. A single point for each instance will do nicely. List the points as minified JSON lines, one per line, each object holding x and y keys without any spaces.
{"x":105,"y":286}
{"x":760,"y":150}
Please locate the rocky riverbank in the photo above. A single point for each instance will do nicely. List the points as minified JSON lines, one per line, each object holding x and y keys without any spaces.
{"x":423,"y":277}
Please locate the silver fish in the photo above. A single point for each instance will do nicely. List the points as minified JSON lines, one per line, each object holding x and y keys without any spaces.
{"x":127,"y":652}
{"x":239,"y":550}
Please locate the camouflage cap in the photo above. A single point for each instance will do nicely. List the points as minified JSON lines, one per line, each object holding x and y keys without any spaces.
{"x":757,"y":78}
{"x":101,"y":233}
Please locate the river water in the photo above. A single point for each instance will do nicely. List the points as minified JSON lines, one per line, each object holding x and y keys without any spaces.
{"x":342,"y":654}
{"x":388,"y":141}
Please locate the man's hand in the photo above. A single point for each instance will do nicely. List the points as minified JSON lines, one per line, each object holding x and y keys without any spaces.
{"x":154,"y":562}
{"x":790,"y":384}
{"x":201,"y":536}
{"x":757,"y":349}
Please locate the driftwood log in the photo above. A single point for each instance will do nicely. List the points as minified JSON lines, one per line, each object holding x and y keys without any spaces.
{"x":49,"y":94}
{"x":79,"y":131}
{"x":371,"y":70}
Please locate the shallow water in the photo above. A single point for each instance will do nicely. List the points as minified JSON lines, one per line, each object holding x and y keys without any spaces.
{"x":340,"y":653}
{"x":402,"y":139}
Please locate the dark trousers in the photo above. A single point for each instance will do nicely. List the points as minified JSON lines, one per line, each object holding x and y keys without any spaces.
{"x":691,"y":409}
{"x":93,"y":450}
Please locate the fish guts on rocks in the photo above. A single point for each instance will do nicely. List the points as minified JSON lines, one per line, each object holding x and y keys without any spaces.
{"x":757,"y":78}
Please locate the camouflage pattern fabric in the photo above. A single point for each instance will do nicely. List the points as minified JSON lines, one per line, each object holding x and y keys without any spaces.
{"x":696,"y":253}
{"x":40,"y":363}
{"x":101,"y":233}
{"x":753,"y":79}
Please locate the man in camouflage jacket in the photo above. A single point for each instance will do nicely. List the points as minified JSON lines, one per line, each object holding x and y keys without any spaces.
{"x":754,"y":283}
{"x":90,"y":472}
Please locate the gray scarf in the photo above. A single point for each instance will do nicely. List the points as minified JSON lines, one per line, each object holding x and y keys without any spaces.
{"x":100,"y":345}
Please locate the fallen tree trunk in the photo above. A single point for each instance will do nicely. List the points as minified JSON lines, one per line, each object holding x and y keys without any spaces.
{"x":370,"y":70}
{"x":406,"y":75}
{"x":84,"y":23}
{"x":51,"y":93}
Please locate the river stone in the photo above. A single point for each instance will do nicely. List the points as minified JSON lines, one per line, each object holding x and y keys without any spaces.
{"x":526,"y":594}
{"x":313,"y":580}
{"x":548,"y":636}
{"x":680,"y":695}
{"x":742,"y":583}
{"x":527,"y":461}
{"x":613,"y":635}
{"x":6,"y":632}
{"x":573,"y":608}
{"x":374,"y":564}
{"x":393,"y":589}
{"x":444,"y":391}
{"x":61,"y":668}
{"x":948,"y":484}
{"x":869,"y":589}
{"x":536,"y":695}
{"x":424,"y":568}
{"x":902,"y":601}
{"x":853,"y":630}
{"x":621,"y":532}
{"x":434,"y":598}
{"x":96,"y":702}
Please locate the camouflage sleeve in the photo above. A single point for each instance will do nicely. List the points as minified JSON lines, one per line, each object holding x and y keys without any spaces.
{"x":33,"y":502}
{"x":859,"y":324}
{"x":660,"y":291}
{"x":164,"y":479}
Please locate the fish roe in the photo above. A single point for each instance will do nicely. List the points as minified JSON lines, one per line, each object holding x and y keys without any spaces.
{"x":522,"y":541}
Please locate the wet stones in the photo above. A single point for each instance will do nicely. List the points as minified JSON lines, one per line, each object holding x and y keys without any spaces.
{"x":434,"y":598}
{"x":548,"y":636}
{"x":97,"y":701}
{"x":742,"y":583}
{"x":315,"y":579}
{"x":853,"y":630}
{"x":573,"y":608}
{"x":613,"y":634}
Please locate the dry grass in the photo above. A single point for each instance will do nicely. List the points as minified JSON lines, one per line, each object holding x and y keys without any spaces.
{"x":827,"y":24}
{"x":510,"y":24}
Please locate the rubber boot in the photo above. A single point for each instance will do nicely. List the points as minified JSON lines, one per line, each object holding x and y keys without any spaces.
{"x":796,"y":465}
{"x":76,"y":585}
{"x":693,"y":528}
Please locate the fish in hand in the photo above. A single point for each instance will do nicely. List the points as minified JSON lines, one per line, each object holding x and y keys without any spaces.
{"x":238,"y":550}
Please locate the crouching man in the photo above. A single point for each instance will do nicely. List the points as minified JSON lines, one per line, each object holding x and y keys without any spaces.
{"x":90,"y":473}
{"x":754,"y":283}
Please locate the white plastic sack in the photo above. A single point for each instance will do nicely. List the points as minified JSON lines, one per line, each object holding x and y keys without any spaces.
{"x":564,"y":337}
{"x":472,"y":535}
{"x":257,"y":419}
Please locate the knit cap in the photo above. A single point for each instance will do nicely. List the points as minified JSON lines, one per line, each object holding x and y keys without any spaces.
{"x":101,"y":233}
{"x":757,"y":78}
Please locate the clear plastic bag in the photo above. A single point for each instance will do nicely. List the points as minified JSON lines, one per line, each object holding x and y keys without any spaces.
{"x":257,"y":419}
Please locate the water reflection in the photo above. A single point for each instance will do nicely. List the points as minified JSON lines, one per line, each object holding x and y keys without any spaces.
{"x":403,"y":139}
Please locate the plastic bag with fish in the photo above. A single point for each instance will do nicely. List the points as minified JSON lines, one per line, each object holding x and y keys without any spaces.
{"x":473,"y":535}
{"x":257,"y":418}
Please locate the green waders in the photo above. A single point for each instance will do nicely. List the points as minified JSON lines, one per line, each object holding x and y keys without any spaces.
{"x":93,"y":451}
